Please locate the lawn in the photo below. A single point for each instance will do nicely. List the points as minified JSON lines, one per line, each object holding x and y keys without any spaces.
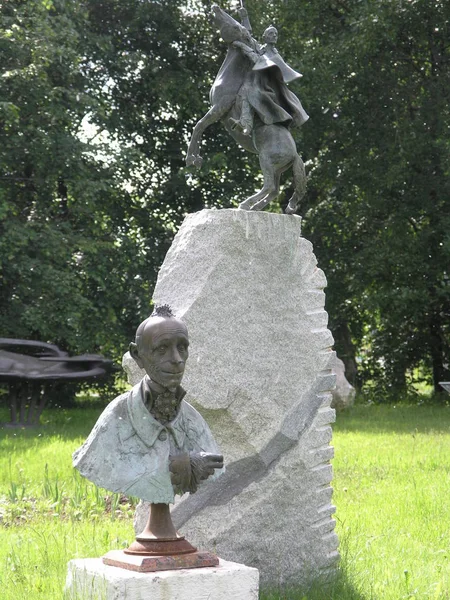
{"x":392,"y":481}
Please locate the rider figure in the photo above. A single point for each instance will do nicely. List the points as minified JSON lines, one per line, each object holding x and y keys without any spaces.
{"x":264,"y":89}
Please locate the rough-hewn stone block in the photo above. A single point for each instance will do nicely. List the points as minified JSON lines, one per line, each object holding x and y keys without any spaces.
{"x":260,"y":372}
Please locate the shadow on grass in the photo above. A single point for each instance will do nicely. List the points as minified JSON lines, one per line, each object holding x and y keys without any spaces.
{"x":338,"y":588}
{"x":400,"y":418}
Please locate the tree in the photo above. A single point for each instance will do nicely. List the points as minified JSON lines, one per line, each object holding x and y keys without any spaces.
{"x":379,"y":208}
{"x":85,"y":223}
{"x":70,"y":272}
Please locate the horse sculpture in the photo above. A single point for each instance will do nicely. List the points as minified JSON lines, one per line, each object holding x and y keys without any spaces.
{"x":270,"y":136}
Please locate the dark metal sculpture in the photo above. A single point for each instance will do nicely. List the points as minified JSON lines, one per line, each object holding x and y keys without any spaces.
{"x":32,"y":369}
{"x":251,"y":99}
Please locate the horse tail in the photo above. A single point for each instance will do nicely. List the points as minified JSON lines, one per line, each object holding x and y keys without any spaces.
{"x":298,"y":168}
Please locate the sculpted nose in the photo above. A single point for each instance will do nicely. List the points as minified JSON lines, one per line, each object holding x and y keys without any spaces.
{"x":176,"y":358}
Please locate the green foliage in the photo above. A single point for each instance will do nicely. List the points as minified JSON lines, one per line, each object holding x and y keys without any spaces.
{"x":97,"y":102}
{"x":70,"y":272}
{"x":378,"y":210}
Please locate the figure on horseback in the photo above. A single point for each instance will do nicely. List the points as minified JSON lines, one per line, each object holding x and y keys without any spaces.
{"x":250,"y":97}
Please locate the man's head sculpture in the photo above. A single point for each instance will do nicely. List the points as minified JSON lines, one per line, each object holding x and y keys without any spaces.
{"x":161,"y":348}
{"x":270,"y":35}
{"x":150,"y":443}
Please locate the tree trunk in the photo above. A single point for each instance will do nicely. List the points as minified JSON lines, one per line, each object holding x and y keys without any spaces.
{"x":42,"y":403}
{"x":23,"y":395}
{"x":437,"y":352}
{"x":398,"y":378}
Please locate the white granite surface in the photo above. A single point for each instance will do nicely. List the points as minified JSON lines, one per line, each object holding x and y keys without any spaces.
{"x":260,"y":372}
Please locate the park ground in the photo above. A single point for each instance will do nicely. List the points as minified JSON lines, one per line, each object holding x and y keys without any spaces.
{"x":391,"y":487}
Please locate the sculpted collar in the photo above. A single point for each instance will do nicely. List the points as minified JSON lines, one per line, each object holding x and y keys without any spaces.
{"x":145,"y":425}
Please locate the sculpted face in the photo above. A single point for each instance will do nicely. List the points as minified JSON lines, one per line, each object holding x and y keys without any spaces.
{"x":270,"y":36}
{"x":162,"y":350}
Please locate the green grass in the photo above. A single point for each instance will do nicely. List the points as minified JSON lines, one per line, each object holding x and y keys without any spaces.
{"x":392,"y":487}
{"x":392,"y":484}
{"x":49,"y":514}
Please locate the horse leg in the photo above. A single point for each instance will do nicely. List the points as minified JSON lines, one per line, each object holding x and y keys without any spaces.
{"x":214,"y":114}
{"x":271,"y":195}
{"x":269,"y":186}
{"x":252,"y":201}
{"x":298,"y":169}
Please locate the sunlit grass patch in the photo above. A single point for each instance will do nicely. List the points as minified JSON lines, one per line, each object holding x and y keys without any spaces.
{"x":391,"y":481}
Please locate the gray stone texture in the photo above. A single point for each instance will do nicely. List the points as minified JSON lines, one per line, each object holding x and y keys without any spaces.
{"x":90,"y":579}
{"x":344,"y":393}
{"x":260,"y":372}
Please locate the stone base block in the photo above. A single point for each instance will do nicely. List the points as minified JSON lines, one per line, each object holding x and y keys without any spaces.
{"x":91,"y":579}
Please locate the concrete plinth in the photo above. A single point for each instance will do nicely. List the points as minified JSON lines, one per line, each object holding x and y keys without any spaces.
{"x":90,"y":579}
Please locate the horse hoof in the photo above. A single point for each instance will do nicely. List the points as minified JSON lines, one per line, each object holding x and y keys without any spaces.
{"x":194,"y":161}
{"x":290,"y":210}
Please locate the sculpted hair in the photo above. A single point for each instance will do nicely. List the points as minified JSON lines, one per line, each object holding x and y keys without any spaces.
{"x":162,"y":310}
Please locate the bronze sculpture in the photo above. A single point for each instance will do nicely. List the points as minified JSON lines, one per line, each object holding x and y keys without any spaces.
{"x":251,"y":99}
{"x":34,"y":372}
{"x":152,"y":444}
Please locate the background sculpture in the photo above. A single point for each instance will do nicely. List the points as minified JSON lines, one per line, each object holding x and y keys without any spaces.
{"x":36,"y":371}
{"x":250,"y":97}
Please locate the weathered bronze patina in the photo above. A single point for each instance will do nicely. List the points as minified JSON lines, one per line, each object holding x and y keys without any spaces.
{"x":251,"y":99}
{"x":152,"y":444}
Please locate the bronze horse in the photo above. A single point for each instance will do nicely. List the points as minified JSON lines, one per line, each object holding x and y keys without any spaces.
{"x":273,"y":143}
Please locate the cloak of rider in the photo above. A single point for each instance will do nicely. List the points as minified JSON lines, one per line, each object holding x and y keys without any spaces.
{"x":269,"y":95}
{"x":265,"y":84}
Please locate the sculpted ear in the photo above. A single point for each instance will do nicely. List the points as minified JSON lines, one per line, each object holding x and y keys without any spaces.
{"x":135,"y":354}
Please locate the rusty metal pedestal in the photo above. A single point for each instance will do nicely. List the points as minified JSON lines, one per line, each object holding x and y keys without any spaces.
{"x":159,"y":548}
